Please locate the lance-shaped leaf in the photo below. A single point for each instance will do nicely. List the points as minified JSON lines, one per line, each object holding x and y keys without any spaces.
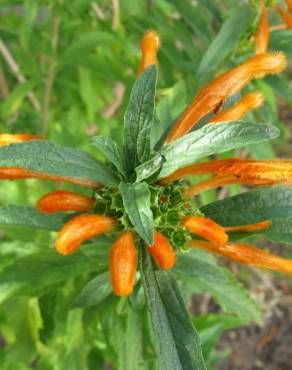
{"x":209,"y":140}
{"x":112,"y":151}
{"x":34,"y":272}
{"x":44,"y":157}
{"x":136,"y":199}
{"x":201,"y":268}
{"x":19,"y":216}
{"x":94,"y":292}
{"x":177,"y":342}
{"x":280,"y":231}
{"x":139,"y":118}
{"x":251,"y":207}
{"x":226,"y":40}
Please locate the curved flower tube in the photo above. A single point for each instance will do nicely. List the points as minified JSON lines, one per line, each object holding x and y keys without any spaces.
{"x":287,"y":17}
{"x":246,"y":254}
{"x":7,"y":139}
{"x":289,"y":5}
{"x":123,"y":264}
{"x":247,"y":103}
{"x":248,"y":228}
{"x":149,"y":48}
{"x":16,"y":173}
{"x":162,"y":251}
{"x":212,"y":96}
{"x":206,"y":228}
{"x":64,"y":200}
{"x":82,"y":228}
{"x":262,"y":37}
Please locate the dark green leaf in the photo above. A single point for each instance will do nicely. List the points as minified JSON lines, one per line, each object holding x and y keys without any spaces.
{"x":280,"y":231}
{"x":177,"y":342}
{"x":208,"y":140}
{"x":112,"y":151}
{"x":18,"y":216}
{"x":195,"y":18}
{"x":45,"y":157}
{"x":280,"y":85}
{"x":219,"y":282}
{"x":95,"y":291}
{"x":136,"y":198}
{"x":281,"y":40}
{"x":226,"y":40}
{"x":251,"y":207}
{"x":139,"y":118}
{"x":31,"y":273}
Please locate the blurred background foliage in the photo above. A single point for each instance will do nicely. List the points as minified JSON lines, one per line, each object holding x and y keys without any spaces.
{"x":66,"y":71}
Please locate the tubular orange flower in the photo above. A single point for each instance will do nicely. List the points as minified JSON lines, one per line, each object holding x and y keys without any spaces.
{"x":206,"y":228}
{"x":6,"y":139}
{"x":198,"y":169}
{"x":80,"y":229}
{"x":234,"y":171}
{"x":262,"y":37}
{"x":64,"y":200}
{"x":123,"y":264}
{"x":251,"y":227}
{"x":287,"y":18}
{"x":289,"y":5}
{"x":212,"y":183}
{"x":149,"y":48}
{"x":247,"y":103}
{"x":162,"y":251}
{"x":246,"y":254}
{"x":16,"y":173}
{"x":213,"y":95}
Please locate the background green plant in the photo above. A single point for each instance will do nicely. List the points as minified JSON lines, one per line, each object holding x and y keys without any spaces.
{"x":73,"y":67}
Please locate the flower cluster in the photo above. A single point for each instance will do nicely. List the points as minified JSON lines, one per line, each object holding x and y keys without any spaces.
{"x":177,"y":221}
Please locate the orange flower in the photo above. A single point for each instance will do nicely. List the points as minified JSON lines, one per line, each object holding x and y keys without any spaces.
{"x":123,"y":264}
{"x":247,"y":103}
{"x":262,"y":37}
{"x":289,"y":5}
{"x":206,"y":228}
{"x":64,"y":200}
{"x":162,"y":251}
{"x":246,"y":254}
{"x":247,"y":228}
{"x":287,"y":18}
{"x":80,"y":229}
{"x":213,"y":96}
{"x":16,"y":173}
{"x":6,"y":139}
{"x":149,"y":48}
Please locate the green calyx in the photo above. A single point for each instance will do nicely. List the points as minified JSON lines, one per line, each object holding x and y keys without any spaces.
{"x":168,"y":206}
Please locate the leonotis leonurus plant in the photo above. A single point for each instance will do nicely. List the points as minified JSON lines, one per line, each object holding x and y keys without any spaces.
{"x":141,"y":194}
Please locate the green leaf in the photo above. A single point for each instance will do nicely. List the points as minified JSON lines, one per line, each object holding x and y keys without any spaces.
{"x":34,"y":272}
{"x":280,"y":85}
{"x":139,"y":118}
{"x":280,"y":231}
{"x":281,"y":40}
{"x":208,"y":140}
{"x":251,"y":207}
{"x":177,"y":342}
{"x":19,"y":216}
{"x":208,"y":277}
{"x":136,"y":199}
{"x":195,"y":18}
{"x":130,"y":356}
{"x":45,"y":157}
{"x":147,"y":171}
{"x":227,"y":38}
{"x":15,"y":99}
{"x":95,"y":291}
{"x":112,"y":151}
